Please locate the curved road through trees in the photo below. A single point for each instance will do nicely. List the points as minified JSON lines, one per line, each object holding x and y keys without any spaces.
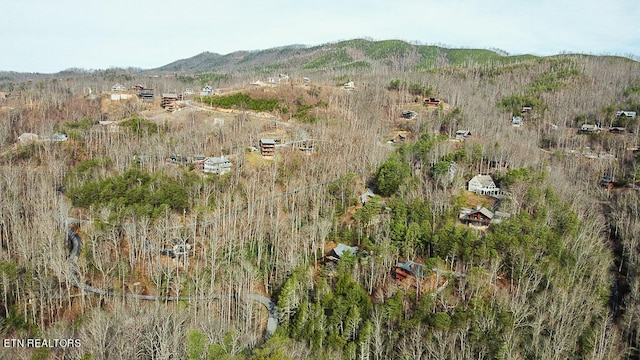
{"x":75,"y":246}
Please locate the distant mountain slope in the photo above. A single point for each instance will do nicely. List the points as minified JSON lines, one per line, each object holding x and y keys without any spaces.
{"x":350,"y":54}
{"x":193,"y":64}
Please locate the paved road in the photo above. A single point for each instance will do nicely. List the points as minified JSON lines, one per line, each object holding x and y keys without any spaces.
{"x":75,"y":246}
{"x":301,"y":132}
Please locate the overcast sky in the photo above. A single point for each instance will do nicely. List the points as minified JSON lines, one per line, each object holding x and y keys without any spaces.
{"x":49,"y":36}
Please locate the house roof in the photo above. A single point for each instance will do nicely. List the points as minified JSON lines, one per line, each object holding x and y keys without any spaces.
{"x":631,"y":114}
{"x":25,"y":137}
{"x":268,"y":141}
{"x":59,"y":137}
{"x":412,"y":267}
{"x":589,"y":127}
{"x":366,"y":195}
{"x":484,"y":180}
{"x":258,"y":83}
{"x":485,"y":212}
{"x":342,"y":248}
{"x":409,"y":114}
{"x":216,"y":160}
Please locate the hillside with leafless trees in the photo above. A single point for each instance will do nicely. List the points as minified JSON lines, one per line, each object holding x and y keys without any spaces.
{"x":116,"y":235}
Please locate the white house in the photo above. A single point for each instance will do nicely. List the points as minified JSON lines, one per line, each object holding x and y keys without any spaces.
{"x":217,"y":165}
{"x":118,"y":87}
{"x":207,"y":91}
{"x":26,"y":138}
{"x":629,"y":114}
{"x":110,"y":125}
{"x":58,"y":137}
{"x":349,"y":85}
{"x":517,"y":121}
{"x":483,"y":185}
{"x":589,"y":128}
{"x":116,"y":97}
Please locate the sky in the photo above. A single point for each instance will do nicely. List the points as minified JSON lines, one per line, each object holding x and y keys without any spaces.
{"x":49,"y":36}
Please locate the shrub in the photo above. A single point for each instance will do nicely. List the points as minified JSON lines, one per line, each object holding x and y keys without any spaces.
{"x":391,"y":174}
{"x":240,"y":100}
{"x":140,"y":126}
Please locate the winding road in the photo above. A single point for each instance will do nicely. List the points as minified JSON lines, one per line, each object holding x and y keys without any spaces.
{"x":302,"y":134}
{"x":75,"y":246}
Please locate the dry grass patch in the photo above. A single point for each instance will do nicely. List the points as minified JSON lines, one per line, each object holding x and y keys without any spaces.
{"x":474,"y":200}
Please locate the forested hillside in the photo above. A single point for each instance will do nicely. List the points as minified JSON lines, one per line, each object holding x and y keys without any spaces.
{"x":345,"y":212}
{"x":354,"y":55}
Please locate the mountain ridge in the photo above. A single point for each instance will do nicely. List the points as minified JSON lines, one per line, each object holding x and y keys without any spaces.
{"x":355,"y":53}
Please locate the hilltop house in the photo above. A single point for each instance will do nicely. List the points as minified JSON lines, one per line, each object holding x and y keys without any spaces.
{"x":146,"y":95}
{"x":408,"y":270}
{"x":58,"y":137}
{"x":364,"y":197}
{"x":517,"y":121}
{"x":109,"y":125}
{"x":118,"y":87}
{"x":198,"y":159}
{"x":483,"y":185}
{"x":117,"y":97}
{"x":258,"y":83}
{"x":607,"y":182}
{"x":462,"y":134}
{"x":408,"y":114}
{"x":169,"y":101}
{"x":267,"y":147}
{"x":207,"y":91}
{"x":629,"y":114}
{"x":589,"y":128}
{"x":617,"y":129}
{"x":481,"y":216}
{"x":349,"y":86}
{"x":26,"y":138}
{"x":339,"y":251}
{"x":217,"y":165}
{"x":431,"y":101}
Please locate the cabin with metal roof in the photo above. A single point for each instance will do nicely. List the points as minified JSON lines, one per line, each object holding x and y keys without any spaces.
{"x":267,"y":147}
{"x":339,"y":251}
